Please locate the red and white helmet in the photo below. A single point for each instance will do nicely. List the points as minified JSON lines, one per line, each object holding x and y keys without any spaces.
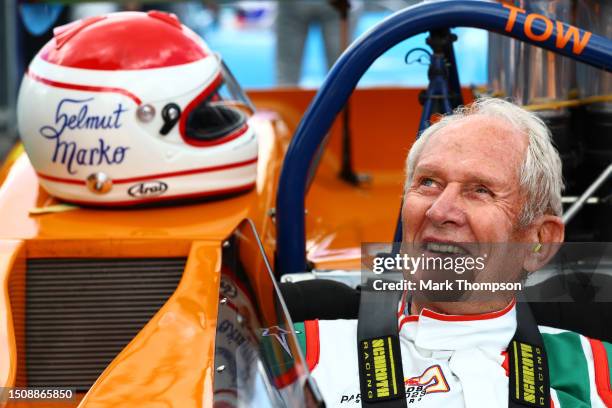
{"x":134,"y":107}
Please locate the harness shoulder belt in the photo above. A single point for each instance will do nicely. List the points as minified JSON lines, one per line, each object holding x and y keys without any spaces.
{"x":380,"y":361}
{"x":381,"y":377}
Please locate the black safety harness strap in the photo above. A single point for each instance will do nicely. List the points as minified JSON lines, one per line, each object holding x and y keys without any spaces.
{"x":529,"y":380}
{"x":380,"y":361}
{"x":381,"y":376}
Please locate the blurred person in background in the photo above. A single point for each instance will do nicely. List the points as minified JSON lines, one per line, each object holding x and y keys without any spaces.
{"x":293,"y":21}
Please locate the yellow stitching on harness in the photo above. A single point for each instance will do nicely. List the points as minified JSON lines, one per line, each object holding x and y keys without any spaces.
{"x":516,"y":371}
{"x":392,"y":367}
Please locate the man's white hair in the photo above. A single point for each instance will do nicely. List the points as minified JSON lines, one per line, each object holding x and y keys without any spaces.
{"x":540,"y":175}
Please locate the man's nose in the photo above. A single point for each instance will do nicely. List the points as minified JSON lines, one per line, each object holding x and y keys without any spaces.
{"x":447,"y":208}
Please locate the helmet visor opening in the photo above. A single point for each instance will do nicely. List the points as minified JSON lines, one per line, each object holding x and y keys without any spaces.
{"x":222,"y":113}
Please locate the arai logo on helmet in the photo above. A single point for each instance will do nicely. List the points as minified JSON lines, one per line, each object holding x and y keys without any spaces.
{"x":148,"y":189}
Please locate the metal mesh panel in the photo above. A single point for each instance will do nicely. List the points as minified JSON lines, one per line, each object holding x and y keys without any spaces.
{"x":80,"y":313}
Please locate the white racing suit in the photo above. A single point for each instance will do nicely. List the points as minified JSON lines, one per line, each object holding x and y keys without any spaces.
{"x":458,"y":361}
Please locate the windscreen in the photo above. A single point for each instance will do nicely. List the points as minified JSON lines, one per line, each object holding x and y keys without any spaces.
{"x":258,"y":360}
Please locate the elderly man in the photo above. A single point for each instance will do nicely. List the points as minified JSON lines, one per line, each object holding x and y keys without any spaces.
{"x":488,"y":173}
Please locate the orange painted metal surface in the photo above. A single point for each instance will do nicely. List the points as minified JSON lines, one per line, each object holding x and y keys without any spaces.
{"x":169,"y":362}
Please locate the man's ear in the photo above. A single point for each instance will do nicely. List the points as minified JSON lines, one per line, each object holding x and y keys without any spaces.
{"x":549,"y":233}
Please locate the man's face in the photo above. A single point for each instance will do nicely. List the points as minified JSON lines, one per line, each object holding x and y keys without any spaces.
{"x":465,"y":186}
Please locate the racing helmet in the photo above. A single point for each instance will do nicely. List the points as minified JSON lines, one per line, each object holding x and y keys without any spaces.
{"x":132,"y":107}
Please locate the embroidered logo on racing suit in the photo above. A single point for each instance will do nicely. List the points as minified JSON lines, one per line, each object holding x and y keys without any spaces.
{"x":431,"y":381}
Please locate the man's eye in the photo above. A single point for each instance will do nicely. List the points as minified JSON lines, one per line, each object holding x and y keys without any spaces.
{"x":427,"y":182}
{"x":483,"y":190}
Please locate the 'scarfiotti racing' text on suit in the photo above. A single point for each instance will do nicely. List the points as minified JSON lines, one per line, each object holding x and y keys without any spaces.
{"x":458,"y":361}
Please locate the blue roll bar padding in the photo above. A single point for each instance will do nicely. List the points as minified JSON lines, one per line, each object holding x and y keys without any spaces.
{"x":353,"y":63}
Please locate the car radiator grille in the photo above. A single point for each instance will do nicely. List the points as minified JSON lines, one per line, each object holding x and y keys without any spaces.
{"x":80,"y":313}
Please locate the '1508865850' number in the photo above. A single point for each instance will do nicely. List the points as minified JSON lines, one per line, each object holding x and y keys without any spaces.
{"x":36,"y":393}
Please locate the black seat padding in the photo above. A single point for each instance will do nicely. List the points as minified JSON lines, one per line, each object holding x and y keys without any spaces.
{"x":589,"y":319}
{"x":320,"y":299}
{"x":328,"y":300}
